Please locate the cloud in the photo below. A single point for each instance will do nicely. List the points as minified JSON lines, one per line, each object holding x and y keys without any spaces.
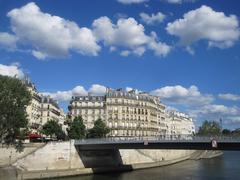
{"x":129,"y":35}
{"x":125,"y":53}
{"x":235,"y":120}
{"x":190,"y":50}
{"x":179,"y":1}
{"x":130,"y":89}
{"x":174,"y":1}
{"x":39,"y":55}
{"x":206,"y":24}
{"x":215,"y":112}
{"x":12,"y":70}
{"x":127,"y":2}
{"x":153,"y":18}
{"x":97,"y":89}
{"x":126,"y":33}
{"x":65,"y":96}
{"x":132,"y":1}
{"x":230,"y":97}
{"x":49,"y":35}
{"x":182,"y":96}
{"x":215,"y":109}
{"x":8,"y":41}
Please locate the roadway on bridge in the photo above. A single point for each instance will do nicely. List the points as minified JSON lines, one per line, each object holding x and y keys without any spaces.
{"x":226,"y":144}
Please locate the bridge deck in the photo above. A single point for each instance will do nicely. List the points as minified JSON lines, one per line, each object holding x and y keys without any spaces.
{"x":191,"y":144}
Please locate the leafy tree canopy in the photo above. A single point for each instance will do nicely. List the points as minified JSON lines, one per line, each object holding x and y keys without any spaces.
{"x":77,"y":129}
{"x":52,"y":128}
{"x":236,"y":132}
{"x":14,"y":98}
{"x":99,"y":130}
{"x":226,"y":132}
{"x":210,"y":128}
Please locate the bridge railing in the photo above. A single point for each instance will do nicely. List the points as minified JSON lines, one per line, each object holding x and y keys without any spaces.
{"x":173,"y":138}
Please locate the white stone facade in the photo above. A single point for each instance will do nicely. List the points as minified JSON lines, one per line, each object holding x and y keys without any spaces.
{"x":125,"y":113}
{"x":42,"y":109}
{"x":179,"y":124}
{"x":34,"y":108}
{"x":49,"y":110}
{"x":90,"y":108}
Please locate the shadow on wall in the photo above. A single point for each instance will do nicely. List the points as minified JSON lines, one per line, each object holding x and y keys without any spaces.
{"x":103,"y":160}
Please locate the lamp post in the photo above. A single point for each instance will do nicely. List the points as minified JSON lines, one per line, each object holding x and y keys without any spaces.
{"x":221,"y":122}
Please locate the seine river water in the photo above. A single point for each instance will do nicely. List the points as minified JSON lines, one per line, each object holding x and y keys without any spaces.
{"x":224,"y":167}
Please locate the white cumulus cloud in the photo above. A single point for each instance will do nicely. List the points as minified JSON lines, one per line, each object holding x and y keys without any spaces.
{"x":216,"y":111}
{"x":8,"y":41}
{"x":183,"y":96}
{"x":179,"y":1}
{"x":229,"y":96}
{"x":97,"y":89}
{"x":127,"y":2}
{"x":128,"y":34}
{"x":65,"y":96}
{"x":49,"y":35}
{"x":12,"y":70}
{"x":204,"y":23}
{"x":132,"y":1}
{"x":152,"y":18}
{"x":219,"y":109}
{"x":174,"y":1}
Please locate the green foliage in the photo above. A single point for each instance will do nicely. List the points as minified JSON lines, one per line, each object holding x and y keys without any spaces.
{"x":210,"y":128}
{"x":99,"y":130}
{"x":77,"y":129}
{"x":236,"y":132}
{"x":14,"y":98}
{"x":226,"y":132}
{"x":52,"y":128}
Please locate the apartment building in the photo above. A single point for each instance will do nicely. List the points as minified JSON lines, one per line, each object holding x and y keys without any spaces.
{"x":34,"y":108}
{"x":89,"y":107}
{"x":42,"y":109}
{"x":126,"y":113}
{"x":179,"y":124}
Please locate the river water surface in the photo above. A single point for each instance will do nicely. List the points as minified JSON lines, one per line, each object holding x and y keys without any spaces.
{"x":219,"y":168}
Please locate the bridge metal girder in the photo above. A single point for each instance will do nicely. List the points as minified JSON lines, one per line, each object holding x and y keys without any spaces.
{"x":205,"y":145}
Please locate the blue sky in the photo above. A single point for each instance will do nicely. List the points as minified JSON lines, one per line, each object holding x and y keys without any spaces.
{"x":185,"y":51}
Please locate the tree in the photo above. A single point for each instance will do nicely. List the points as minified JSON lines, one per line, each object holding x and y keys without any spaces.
{"x":226,"y":132}
{"x":210,"y":128}
{"x":236,"y":132}
{"x":52,"y":128}
{"x":14,"y":98}
{"x":77,"y":129}
{"x":99,"y":130}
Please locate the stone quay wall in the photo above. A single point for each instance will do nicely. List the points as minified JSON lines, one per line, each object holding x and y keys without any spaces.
{"x":59,"y":159}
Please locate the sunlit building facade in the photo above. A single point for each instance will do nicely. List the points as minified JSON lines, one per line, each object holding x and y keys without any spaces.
{"x":126,"y":113}
{"x":179,"y":124}
{"x":34,"y":108}
{"x":42,"y":109}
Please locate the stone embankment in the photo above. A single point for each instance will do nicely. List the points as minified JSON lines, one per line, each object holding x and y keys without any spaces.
{"x":9,"y":155}
{"x":62,"y":159}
